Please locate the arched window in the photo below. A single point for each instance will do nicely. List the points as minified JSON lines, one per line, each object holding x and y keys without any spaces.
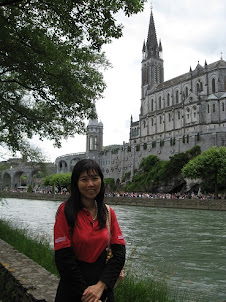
{"x":177,"y":97}
{"x":169,"y":117}
{"x":197,"y":88}
{"x":160,"y":119}
{"x":152,"y":105}
{"x":214,"y":108}
{"x":178,"y":114}
{"x":186,"y":92}
{"x":152,"y":122}
{"x":168,"y":99}
{"x":160,"y":102}
{"x":95,"y":143}
{"x":222,"y":106}
{"x":213,"y":85}
{"x":208,"y":108}
{"x":201,"y":86}
{"x":91,"y":143}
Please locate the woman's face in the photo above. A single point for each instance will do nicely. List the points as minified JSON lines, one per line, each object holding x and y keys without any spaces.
{"x":89,"y":185}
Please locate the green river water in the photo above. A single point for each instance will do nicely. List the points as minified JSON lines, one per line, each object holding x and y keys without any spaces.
{"x":187,"y":247}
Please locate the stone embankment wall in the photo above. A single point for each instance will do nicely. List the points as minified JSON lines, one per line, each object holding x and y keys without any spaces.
{"x":23,"y":280}
{"x":198,"y":204}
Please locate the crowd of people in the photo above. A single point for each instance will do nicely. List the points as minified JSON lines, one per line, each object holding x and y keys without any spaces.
{"x":165,"y":195}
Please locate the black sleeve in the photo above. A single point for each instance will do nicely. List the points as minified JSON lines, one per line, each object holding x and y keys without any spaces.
{"x":69,"y":271}
{"x":114,"y":265}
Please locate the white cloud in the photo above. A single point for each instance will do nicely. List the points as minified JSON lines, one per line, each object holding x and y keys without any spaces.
{"x":190,"y":31}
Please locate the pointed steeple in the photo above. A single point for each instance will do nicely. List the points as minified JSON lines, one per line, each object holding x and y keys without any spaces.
{"x":160,"y":50}
{"x":152,"y":43}
{"x":144,"y":47}
{"x":94,"y":121}
{"x":152,"y":61}
{"x":160,"y":45}
{"x":144,"y":51}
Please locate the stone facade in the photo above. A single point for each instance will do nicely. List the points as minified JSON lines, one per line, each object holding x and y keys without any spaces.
{"x":175,"y":115}
{"x":10,"y":179}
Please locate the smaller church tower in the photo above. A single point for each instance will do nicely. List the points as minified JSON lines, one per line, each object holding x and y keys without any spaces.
{"x":94,"y":139}
{"x":152,"y":60}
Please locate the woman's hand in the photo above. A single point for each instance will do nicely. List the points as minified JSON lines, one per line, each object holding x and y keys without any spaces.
{"x":93,"y":292}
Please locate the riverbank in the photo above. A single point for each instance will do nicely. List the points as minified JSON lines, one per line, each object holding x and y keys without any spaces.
{"x":22,"y":279}
{"x":195,"y":204}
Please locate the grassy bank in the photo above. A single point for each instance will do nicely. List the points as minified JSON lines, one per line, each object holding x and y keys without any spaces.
{"x":132,"y":288}
{"x":37,"y":249}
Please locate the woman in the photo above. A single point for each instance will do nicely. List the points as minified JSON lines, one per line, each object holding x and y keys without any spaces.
{"x":81,"y":238}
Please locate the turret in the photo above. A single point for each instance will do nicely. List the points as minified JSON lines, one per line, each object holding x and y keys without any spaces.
{"x":160,"y":50}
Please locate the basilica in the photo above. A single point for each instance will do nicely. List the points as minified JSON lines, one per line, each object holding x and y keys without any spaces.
{"x":175,"y":115}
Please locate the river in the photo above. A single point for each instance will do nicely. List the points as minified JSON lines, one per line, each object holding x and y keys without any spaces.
{"x":187,"y":247}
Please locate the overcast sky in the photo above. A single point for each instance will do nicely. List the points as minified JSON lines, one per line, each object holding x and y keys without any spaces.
{"x":190,"y":31}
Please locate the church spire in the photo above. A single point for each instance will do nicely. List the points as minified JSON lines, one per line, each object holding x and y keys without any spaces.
{"x":152,"y":43}
{"x":152,"y":61}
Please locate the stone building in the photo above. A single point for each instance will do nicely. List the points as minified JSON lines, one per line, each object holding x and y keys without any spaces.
{"x":175,"y":115}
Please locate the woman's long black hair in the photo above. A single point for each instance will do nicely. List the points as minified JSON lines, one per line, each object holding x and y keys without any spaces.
{"x":74,"y":203}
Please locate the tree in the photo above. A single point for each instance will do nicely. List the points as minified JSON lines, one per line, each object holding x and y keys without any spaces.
{"x":147,"y":178}
{"x":50,"y":60}
{"x":210,"y":166}
{"x":60,"y":180}
{"x":176,"y":162}
{"x":148,"y":162}
{"x":110,"y":184}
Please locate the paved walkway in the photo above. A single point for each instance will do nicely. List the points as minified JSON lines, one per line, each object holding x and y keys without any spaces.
{"x":37,"y":283}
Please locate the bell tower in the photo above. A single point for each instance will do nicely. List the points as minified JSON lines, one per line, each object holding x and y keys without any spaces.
{"x":152,"y":61}
{"x":94,"y":138}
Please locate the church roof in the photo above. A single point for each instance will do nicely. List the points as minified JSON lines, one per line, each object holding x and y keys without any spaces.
{"x":212,"y":97}
{"x":223,"y":96}
{"x":199,"y":70}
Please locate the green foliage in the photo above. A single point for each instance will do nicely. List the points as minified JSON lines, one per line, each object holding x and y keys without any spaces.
{"x":210,"y":166}
{"x":60,"y":180}
{"x":110,"y":183}
{"x":50,"y":61}
{"x":37,"y":249}
{"x":126,"y":176}
{"x":149,"y":174}
{"x":4,"y":166}
{"x":29,"y":189}
{"x":148,"y":162}
{"x":136,"y":289}
{"x":193,"y":152}
{"x":152,"y":171}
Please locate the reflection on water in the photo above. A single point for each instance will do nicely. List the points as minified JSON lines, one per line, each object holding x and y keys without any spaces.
{"x":187,"y":245}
